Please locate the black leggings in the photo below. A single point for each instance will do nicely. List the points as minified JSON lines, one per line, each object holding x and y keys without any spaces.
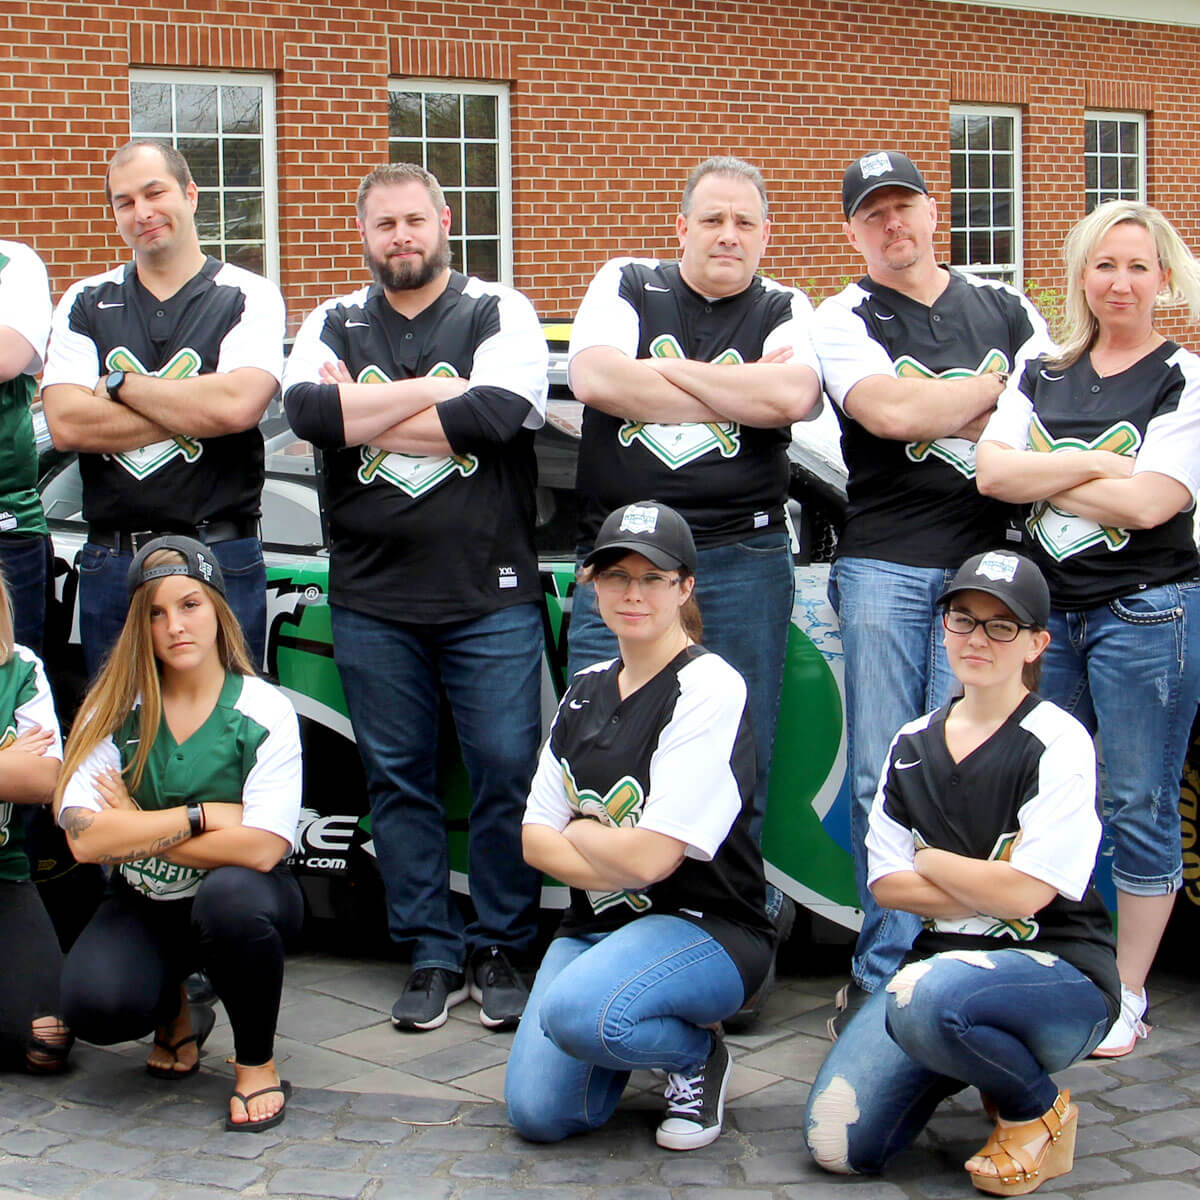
{"x":31,"y":963}
{"x":121,"y":978}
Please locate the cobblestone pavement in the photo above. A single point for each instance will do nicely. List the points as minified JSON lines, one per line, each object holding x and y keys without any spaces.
{"x":378,"y":1114}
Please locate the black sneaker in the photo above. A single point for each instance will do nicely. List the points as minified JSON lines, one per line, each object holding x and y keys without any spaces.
{"x":849,"y":999}
{"x":428,"y":997}
{"x":696,"y":1103}
{"x":498,"y":989}
{"x":746,"y":1016}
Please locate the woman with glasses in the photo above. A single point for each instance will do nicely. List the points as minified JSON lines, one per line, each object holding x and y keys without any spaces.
{"x":1103,"y":442}
{"x":984,"y":825}
{"x":642,"y":803}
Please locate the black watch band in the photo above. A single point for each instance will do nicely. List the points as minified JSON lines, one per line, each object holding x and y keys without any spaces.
{"x":113,"y":382}
{"x":195,"y":816}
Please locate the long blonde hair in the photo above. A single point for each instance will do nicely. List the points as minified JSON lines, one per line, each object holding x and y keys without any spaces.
{"x":132,"y":671}
{"x":1182,"y":287}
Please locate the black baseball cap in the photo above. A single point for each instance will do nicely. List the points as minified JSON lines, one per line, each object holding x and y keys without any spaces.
{"x":648,"y":528}
{"x":883,"y":168}
{"x":1010,"y":577}
{"x":199,"y":563}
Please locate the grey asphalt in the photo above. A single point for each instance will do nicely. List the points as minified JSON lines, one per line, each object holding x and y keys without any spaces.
{"x":380,"y":1114}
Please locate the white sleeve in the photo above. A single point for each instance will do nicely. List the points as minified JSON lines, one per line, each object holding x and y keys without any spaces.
{"x":272,"y":790}
{"x":73,"y":357}
{"x":38,"y":710}
{"x":1060,"y":830}
{"x":694,"y":795}
{"x":890,"y":846}
{"x":80,"y":791}
{"x":309,"y":351}
{"x":1038,"y":343}
{"x":515,"y":357}
{"x":548,"y":803}
{"x":1009,"y":424}
{"x":847,"y":352}
{"x":796,"y":332}
{"x":25,"y":300}
{"x":605,"y":318}
{"x":257,"y":338}
{"x":1172,"y":442}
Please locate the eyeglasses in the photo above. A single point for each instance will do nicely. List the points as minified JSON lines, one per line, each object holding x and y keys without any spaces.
{"x":998,"y":629}
{"x":651,"y":584}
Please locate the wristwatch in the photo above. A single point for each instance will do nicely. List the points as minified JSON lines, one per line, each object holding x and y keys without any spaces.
{"x":113,"y":382}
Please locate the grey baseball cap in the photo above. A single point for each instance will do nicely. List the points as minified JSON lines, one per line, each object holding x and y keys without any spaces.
{"x":880,"y":169}
{"x":199,"y":563}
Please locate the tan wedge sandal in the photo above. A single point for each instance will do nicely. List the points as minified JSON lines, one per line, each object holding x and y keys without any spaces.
{"x":1017,"y":1171}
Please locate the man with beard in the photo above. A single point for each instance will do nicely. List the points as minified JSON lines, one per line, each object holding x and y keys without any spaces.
{"x":424,"y":390}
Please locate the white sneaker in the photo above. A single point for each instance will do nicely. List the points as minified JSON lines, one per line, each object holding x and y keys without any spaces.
{"x":696,"y":1103}
{"x":1127,"y":1028}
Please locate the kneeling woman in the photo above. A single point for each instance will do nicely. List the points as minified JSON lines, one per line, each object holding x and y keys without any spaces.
{"x":984,"y":824}
{"x":183,"y":772}
{"x":642,"y":803}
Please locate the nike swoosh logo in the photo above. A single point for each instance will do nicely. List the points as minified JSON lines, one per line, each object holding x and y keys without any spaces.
{"x":651,"y":288}
{"x":1050,"y":378}
{"x":358,"y":324}
{"x":885,"y":316}
{"x":111,"y":304}
{"x":577,"y":704}
{"x":903,"y":766}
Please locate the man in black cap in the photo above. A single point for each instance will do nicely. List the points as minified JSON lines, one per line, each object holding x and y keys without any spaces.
{"x":914,"y":355}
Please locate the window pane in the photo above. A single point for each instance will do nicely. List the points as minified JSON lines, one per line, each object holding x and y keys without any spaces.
{"x":1090,"y":170}
{"x":442,"y":115}
{"x":405,"y":152}
{"x":195,"y":108}
{"x":243,"y":163}
{"x":1002,"y":133}
{"x":958,"y":209}
{"x":454,"y":200}
{"x":1002,"y":214}
{"x":1002,"y":247}
{"x":243,"y":215}
{"x":977,"y":133}
{"x":208,"y":216}
{"x":481,"y":165}
{"x":1002,"y":171}
{"x":981,"y":248}
{"x":201,"y":155}
{"x":958,"y":248}
{"x":958,"y":132}
{"x":248,"y":256}
{"x":479,"y":116}
{"x":445,"y":161}
{"x":958,"y":171}
{"x":150,"y":108}
{"x":1108,"y":174}
{"x":213,"y":248}
{"x":1089,"y":137}
{"x":1129,"y":137}
{"x":1129,"y":176}
{"x":980,"y":210}
{"x":1108,"y":137}
{"x":979,"y":173}
{"x":404,"y":115}
{"x":482,"y":215}
{"x":483,"y":259}
{"x":241,"y":110}
{"x":457,"y":255}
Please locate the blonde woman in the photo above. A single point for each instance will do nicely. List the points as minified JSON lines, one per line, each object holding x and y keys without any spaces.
{"x":183,"y":773}
{"x":1102,"y":441}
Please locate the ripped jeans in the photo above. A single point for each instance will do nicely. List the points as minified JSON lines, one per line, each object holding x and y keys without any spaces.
{"x":998,"y":1020}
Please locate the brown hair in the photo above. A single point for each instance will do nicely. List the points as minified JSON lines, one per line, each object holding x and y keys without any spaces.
{"x":175,"y":163}
{"x":394,"y":173}
{"x":132,"y":673}
{"x":689,"y":613}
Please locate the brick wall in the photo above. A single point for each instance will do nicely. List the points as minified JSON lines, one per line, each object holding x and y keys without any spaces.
{"x":612,"y":103}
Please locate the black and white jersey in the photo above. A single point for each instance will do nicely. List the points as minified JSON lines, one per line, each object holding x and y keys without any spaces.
{"x":727,"y":479}
{"x":675,"y":757}
{"x":1026,"y":796}
{"x":223,"y":318}
{"x":1150,"y":410}
{"x":916,"y":502}
{"x":432,"y":538}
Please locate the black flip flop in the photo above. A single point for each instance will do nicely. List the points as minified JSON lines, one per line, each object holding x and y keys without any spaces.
{"x":203,"y":1018}
{"x":283,"y":1087}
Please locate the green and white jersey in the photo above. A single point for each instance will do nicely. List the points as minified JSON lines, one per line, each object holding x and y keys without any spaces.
{"x":25,"y":702}
{"x":247,"y":751}
{"x":25,"y":308}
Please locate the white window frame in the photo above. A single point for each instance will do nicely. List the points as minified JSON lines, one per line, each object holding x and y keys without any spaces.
{"x":1016,"y":267}
{"x":1126,"y":118}
{"x":270,"y":149}
{"x":470,"y":87}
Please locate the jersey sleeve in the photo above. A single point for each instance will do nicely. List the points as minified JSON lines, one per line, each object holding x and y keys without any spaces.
{"x":1172,"y":442}
{"x":695,"y":792}
{"x":1038,"y":343}
{"x":890,"y":844}
{"x":796,"y":333}
{"x":846,"y":350}
{"x":73,"y":356}
{"x":606,"y":318}
{"x":35,"y":707}
{"x":25,"y":301}
{"x":548,"y":803}
{"x":80,"y":791}
{"x":314,"y":408}
{"x":257,"y":338}
{"x":1060,"y":830}
{"x":272,"y":790}
{"x":1009,"y":424}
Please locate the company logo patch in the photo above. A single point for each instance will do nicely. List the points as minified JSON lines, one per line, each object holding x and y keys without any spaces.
{"x":205,"y":567}
{"x":874,"y":164}
{"x":999,"y":568}
{"x":639,"y":518}
{"x":146,"y":460}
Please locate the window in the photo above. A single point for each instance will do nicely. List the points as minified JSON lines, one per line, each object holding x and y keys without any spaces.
{"x":459,"y":131}
{"x":224,"y":125}
{"x":985,"y":191}
{"x":1114,"y":157}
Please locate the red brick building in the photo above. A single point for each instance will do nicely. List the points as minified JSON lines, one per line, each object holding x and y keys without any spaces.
{"x":564,"y":130}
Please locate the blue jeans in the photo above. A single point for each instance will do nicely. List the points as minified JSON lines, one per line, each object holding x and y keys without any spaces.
{"x":605,"y":1005}
{"x":1130,"y":670}
{"x":1000,"y":1022}
{"x":103,"y":601}
{"x":25,"y":559}
{"x":490,"y":668}
{"x":745,"y":592}
{"x":895,"y":670}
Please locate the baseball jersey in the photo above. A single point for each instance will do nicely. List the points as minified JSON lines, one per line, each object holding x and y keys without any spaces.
{"x":25,"y":308}
{"x":223,"y":318}
{"x":727,"y":480}
{"x":916,"y":502}
{"x":247,"y":751}
{"x":429,"y":538}
{"x":675,"y":757}
{"x":1150,"y":410}
{"x":25,"y":702}
{"x":1026,"y":796}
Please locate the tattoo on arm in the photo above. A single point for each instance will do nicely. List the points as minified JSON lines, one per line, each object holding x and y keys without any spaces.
{"x":155,"y":847}
{"x":76,"y":820}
